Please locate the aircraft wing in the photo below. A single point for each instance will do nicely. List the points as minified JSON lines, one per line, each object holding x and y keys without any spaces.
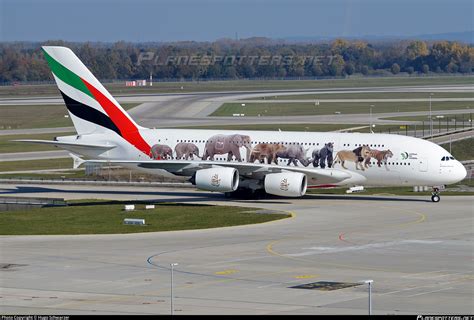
{"x":248,"y":170}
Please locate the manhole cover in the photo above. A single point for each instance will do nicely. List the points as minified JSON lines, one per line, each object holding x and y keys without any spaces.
{"x":326,"y":285}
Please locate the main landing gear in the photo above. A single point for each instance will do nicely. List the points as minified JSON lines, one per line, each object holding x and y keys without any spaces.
{"x":435,"y":195}
{"x":246,"y":193}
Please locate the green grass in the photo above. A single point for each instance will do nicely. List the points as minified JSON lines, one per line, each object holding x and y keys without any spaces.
{"x":76,"y":174}
{"x":37,"y":116}
{"x":363,"y":95}
{"x":462,"y":149}
{"x":306,"y":108}
{"x":236,"y":85}
{"x":33,"y":116}
{"x":106,"y":217}
{"x":7,"y":146}
{"x":60,"y":163}
{"x":459,"y":118}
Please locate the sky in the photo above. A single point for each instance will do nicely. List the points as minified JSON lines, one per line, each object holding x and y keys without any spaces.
{"x":208,"y":20}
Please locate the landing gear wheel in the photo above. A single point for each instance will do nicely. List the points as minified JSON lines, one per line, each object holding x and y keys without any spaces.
{"x":435,"y":195}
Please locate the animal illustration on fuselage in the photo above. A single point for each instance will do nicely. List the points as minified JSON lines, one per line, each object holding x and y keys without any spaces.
{"x":160,"y":151}
{"x":379,"y":155}
{"x":186,"y":149}
{"x":320,"y":156}
{"x":358,"y":155}
{"x":227,"y":144}
{"x":267,"y":151}
{"x":293,"y":153}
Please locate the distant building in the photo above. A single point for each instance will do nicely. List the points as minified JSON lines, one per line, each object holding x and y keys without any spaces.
{"x":135,"y":83}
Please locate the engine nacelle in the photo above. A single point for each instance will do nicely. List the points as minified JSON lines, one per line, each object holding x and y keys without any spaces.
{"x":286,"y":184}
{"x":217,"y":179}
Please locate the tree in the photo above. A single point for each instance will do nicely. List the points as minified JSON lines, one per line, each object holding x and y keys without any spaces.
{"x":425,"y":68}
{"x":338,"y":46}
{"x":416,"y":49}
{"x":465,"y":67}
{"x":337,"y":65}
{"x":395,"y":68}
{"x":349,"y":68}
{"x":452,"y":67}
{"x":317,"y":70}
{"x":364,"y":70}
{"x":22,"y":61}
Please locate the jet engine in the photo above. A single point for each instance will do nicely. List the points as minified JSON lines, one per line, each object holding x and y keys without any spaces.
{"x":286,"y":184}
{"x":217,"y":179}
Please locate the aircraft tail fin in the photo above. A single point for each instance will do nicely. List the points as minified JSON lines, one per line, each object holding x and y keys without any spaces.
{"x":91,"y":107}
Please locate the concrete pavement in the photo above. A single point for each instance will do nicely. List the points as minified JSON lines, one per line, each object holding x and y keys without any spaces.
{"x":418,"y":253}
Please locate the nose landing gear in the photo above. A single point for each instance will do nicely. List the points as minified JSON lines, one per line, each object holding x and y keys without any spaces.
{"x":435,"y":195}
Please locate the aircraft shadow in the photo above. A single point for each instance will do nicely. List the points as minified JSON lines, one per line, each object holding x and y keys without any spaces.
{"x":362,"y":197}
{"x":183,"y":196}
{"x":192,"y":196}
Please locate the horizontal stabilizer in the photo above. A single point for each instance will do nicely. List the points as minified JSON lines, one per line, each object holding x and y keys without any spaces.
{"x":65,"y":145}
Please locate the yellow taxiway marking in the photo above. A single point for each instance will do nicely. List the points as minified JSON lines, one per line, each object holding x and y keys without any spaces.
{"x":306,"y":276}
{"x":230,"y":271}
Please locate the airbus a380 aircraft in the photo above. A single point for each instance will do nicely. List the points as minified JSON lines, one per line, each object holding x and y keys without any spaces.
{"x":281,"y":163}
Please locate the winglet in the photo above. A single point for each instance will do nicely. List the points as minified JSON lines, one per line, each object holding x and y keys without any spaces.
{"x":77,"y":160}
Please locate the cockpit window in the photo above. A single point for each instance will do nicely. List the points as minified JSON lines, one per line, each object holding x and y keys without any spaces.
{"x":447,"y":158}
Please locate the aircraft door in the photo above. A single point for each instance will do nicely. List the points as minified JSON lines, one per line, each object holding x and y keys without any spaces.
{"x":423,"y":164}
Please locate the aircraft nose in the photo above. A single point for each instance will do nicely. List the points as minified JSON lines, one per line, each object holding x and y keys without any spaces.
{"x":460,"y":172}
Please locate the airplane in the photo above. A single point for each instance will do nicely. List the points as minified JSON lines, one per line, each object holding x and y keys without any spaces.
{"x":232,"y":161}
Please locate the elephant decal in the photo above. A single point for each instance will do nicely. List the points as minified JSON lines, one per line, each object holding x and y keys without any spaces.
{"x":186,"y":149}
{"x":161,"y":151}
{"x":320,"y":156}
{"x":294,"y":153}
{"x":227,"y":144}
{"x":267,"y":151}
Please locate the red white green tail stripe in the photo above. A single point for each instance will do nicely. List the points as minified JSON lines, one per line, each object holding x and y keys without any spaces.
{"x":92,"y":107}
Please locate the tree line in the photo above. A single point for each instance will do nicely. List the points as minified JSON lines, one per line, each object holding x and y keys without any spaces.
{"x":237,"y":59}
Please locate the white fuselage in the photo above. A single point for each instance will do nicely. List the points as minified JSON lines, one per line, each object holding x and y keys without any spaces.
{"x":411,"y":161}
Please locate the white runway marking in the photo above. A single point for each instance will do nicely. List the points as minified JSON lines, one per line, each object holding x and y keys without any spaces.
{"x":422,"y":293}
{"x":321,"y":250}
{"x":420,"y":274}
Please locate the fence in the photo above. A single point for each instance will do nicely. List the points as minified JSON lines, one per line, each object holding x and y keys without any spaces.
{"x":440,"y":126}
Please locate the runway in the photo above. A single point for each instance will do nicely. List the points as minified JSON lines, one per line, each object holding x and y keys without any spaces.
{"x":34,"y":155}
{"x":419,"y":254}
{"x":193,"y":109}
